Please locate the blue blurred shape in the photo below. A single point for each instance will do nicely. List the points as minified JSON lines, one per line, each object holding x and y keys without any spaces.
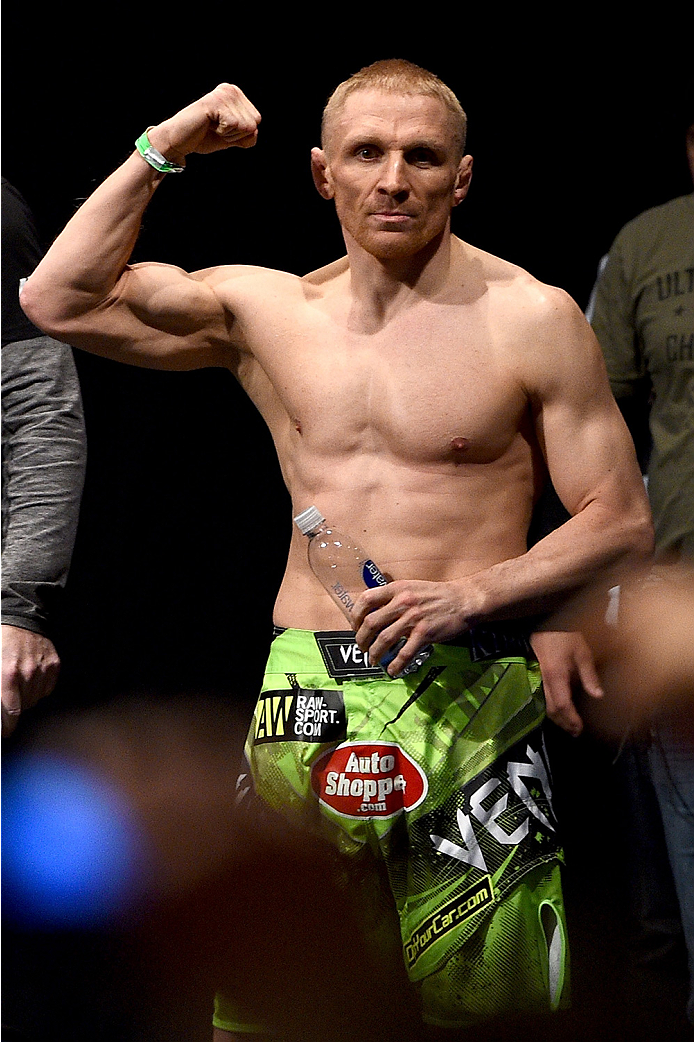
{"x":72,"y":856}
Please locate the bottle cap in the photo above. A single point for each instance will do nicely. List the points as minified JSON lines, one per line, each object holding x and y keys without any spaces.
{"x":308,"y":519}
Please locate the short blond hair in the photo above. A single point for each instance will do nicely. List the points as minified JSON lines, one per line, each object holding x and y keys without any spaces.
{"x":397,"y":76}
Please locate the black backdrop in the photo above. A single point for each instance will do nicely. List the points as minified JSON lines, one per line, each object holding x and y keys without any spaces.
{"x":185,"y":521}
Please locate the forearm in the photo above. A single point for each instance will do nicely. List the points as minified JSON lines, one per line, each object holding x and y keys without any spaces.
{"x":44,"y":459}
{"x":595,"y":545}
{"x":81,"y":272}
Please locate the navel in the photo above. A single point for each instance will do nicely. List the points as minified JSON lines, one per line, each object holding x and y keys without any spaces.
{"x":297,"y":425}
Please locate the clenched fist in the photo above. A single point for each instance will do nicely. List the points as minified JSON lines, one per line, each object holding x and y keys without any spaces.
{"x":30,"y":666}
{"x":221,"y":119}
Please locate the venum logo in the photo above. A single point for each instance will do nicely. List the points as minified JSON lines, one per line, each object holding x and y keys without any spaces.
{"x":343,"y":657}
{"x":505,"y":821}
{"x":368,"y":780}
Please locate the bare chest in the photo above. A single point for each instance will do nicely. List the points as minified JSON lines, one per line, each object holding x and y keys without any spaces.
{"x":435,"y":387}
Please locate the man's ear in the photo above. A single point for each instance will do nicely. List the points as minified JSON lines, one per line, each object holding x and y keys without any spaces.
{"x":463,"y":180}
{"x":321,"y":173}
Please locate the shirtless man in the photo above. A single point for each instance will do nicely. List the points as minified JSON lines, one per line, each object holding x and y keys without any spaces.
{"x":417,"y":390}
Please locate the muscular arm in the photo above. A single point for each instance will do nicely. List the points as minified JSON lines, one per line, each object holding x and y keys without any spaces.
{"x":593,"y":466}
{"x":592,"y":463}
{"x":85,"y":293}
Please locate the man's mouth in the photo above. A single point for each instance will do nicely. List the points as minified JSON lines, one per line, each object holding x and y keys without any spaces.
{"x":394,"y":216}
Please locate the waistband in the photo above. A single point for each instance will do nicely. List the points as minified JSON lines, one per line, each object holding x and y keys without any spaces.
{"x":483,"y":642}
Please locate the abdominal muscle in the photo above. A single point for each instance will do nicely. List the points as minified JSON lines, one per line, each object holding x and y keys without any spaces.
{"x":436,"y":523}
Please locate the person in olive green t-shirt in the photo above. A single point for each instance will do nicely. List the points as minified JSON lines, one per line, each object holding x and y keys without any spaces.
{"x":644,"y":320}
{"x":642,"y":311}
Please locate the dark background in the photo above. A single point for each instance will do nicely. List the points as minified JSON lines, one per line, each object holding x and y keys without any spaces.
{"x":185,"y":521}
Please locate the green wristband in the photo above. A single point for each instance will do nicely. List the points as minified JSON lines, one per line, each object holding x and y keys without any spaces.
{"x":152,"y":156}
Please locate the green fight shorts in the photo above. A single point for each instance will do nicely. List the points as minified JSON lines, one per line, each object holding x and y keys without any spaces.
{"x":441,"y":778}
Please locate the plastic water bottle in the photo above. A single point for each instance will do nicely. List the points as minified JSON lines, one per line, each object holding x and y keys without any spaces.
{"x":345,"y":570}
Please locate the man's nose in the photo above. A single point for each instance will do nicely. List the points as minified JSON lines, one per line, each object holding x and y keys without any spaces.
{"x":393,"y":175}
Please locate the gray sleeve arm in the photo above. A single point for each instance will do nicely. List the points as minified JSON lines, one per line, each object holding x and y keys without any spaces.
{"x":44,"y":454}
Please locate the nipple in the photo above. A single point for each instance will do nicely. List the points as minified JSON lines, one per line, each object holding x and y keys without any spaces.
{"x":458,"y":448}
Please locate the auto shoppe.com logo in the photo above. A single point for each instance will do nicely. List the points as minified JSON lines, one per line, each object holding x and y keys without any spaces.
{"x":368,"y":780}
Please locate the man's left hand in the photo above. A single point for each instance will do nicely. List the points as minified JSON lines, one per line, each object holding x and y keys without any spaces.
{"x":422,"y":612}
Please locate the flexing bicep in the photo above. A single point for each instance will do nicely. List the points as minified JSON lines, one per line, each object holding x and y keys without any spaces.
{"x":157,"y":316}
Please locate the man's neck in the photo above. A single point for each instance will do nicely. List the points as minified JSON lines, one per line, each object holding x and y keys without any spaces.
{"x":381,"y":287}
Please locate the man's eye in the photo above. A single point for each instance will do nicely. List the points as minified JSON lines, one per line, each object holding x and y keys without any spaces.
{"x":423,"y":157}
{"x":366,"y":152}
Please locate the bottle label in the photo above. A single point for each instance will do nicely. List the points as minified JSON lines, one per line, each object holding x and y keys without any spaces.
{"x":372,"y":575}
{"x":343,"y":597}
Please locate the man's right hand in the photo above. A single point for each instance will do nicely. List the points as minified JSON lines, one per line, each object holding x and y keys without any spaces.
{"x":224,"y":118}
{"x":86,"y":293}
{"x":30,"y":667}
